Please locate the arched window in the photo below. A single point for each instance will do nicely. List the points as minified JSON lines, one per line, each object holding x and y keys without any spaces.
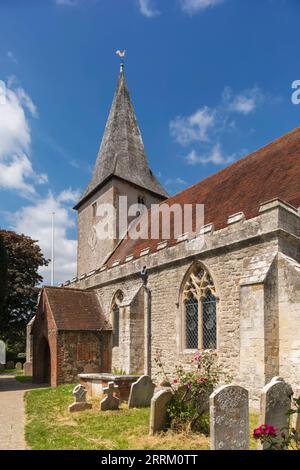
{"x":116,"y":318}
{"x":200,"y":315}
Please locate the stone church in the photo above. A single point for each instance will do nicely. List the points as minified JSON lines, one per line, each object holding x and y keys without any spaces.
{"x":238,"y":293}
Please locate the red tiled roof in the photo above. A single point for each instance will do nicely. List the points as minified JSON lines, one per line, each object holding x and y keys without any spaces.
{"x":271,"y":172}
{"x":75,"y":309}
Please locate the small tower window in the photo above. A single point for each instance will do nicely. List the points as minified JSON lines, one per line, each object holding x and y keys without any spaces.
{"x":94,"y":209}
{"x":141,"y":200}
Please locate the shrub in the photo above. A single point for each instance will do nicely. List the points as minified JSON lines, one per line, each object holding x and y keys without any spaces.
{"x":192,"y":389}
{"x":279,"y":439}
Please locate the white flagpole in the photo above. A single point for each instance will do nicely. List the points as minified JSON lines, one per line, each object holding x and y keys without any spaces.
{"x":52,"y":257}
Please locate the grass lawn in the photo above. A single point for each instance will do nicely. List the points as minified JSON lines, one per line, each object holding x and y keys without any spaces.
{"x":23,"y":378}
{"x":12,"y":371}
{"x":50,"y":426}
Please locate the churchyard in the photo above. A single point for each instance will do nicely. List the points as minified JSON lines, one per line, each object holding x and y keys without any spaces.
{"x":106,"y":423}
{"x":49,"y":425}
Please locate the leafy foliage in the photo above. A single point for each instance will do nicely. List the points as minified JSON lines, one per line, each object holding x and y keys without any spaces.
{"x":279,"y":439}
{"x":3,"y":275}
{"x":192,"y":388}
{"x":24,"y":258}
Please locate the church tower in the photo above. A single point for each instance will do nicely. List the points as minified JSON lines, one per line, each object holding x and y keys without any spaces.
{"x":121,"y":169}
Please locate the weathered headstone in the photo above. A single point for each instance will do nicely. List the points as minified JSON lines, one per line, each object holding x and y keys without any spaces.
{"x":28,"y":369}
{"x":19,"y":366}
{"x":296,"y":416}
{"x":80,"y":403}
{"x":275,"y":403}
{"x":2,"y":353}
{"x":229,"y":418}
{"x":110,"y":402}
{"x":141,"y":392}
{"x":158,"y":412}
{"x":10,"y":365}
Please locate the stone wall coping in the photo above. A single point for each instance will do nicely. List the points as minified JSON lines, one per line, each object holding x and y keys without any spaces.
{"x":115,"y":263}
{"x":267,"y":224}
{"x":275,"y":203}
{"x":208,"y":228}
{"x":234,"y":218}
{"x":162,"y":245}
{"x":183,"y":237}
{"x":109,"y":377}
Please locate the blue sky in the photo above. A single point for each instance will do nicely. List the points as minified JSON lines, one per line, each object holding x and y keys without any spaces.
{"x":210,"y":81}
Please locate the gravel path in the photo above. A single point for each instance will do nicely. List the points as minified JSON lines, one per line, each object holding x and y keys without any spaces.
{"x":12,"y":416}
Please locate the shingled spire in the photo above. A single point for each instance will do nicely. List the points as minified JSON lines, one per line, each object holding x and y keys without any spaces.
{"x":122,"y":152}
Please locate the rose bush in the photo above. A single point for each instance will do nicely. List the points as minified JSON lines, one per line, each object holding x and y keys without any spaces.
{"x":192,"y":388}
{"x":272,"y":438}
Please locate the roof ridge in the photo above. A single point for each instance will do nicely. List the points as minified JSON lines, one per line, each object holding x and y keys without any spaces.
{"x":269,"y":172}
{"x":85,"y":291}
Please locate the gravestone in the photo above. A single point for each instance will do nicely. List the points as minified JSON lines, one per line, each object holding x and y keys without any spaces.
{"x":80,"y":403}
{"x":110,"y":402}
{"x":28,"y":369}
{"x":296,"y":416}
{"x":10,"y":365}
{"x":229,"y":418}
{"x":275,"y":403}
{"x":19,"y":366}
{"x":2,"y":353}
{"x":158,"y":412}
{"x":141,"y":392}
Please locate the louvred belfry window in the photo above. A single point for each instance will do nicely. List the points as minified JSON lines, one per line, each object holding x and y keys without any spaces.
{"x":200,"y":313}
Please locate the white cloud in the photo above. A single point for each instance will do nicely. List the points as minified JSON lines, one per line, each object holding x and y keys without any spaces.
{"x":215,"y":156}
{"x":194,"y":6}
{"x":245,"y":102}
{"x":174,"y":184}
{"x":12,"y":57}
{"x":26,"y":101}
{"x":36,"y":221}
{"x":68,"y":3}
{"x":16,"y":170}
{"x":148,"y":9}
{"x":193,"y":128}
{"x":204,"y":129}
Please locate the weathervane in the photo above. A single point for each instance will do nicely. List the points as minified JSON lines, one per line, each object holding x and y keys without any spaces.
{"x":121,"y":54}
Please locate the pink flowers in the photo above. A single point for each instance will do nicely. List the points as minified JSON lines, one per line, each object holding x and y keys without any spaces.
{"x":201,"y":380}
{"x":197,"y":357}
{"x":175,"y":381}
{"x":265,"y":431}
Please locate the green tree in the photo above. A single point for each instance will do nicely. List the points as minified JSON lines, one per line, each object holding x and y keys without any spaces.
{"x":24,"y":258}
{"x":3,"y":276}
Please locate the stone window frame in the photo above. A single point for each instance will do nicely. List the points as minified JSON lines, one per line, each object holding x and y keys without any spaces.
{"x":94,"y":209}
{"x":197,"y":289}
{"x":116,"y":303}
